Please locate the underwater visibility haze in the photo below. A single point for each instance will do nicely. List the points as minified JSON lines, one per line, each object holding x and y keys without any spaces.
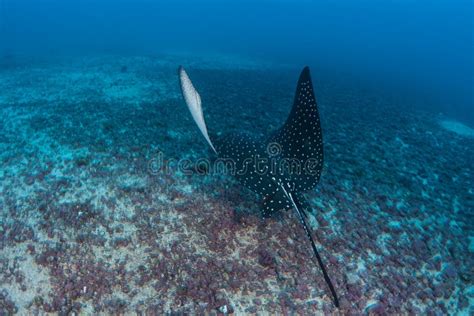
{"x":166,"y":157}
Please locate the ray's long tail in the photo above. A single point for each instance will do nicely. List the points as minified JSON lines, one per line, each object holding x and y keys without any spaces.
{"x":315,"y":250}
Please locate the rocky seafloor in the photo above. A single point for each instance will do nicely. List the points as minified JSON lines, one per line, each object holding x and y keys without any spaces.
{"x":90,"y":222}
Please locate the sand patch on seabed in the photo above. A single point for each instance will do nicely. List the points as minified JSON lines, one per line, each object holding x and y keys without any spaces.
{"x":457,"y":127}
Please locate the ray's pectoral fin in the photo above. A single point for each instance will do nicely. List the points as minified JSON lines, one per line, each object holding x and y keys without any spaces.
{"x":280,"y":202}
{"x":274,"y":203}
{"x":193,"y":101}
{"x":300,"y":138}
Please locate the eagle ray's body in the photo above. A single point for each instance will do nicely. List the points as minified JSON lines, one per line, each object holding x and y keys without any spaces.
{"x":265,"y":166}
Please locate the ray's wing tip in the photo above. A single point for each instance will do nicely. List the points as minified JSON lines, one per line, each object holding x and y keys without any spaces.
{"x":305,"y":73}
{"x":180,"y":69}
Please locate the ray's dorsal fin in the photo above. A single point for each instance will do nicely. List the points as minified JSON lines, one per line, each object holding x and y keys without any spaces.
{"x":300,"y":137}
{"x":193,"y":101}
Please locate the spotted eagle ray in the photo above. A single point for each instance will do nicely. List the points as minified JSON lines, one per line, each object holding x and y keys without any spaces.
{"x":281,"y":168}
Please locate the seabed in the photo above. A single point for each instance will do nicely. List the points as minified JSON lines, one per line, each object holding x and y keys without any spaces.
{"x":90,"y":222}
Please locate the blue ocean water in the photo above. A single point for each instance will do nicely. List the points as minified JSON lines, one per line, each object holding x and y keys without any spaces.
{"x":108,"y":200}
{"x":423,"y":50}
